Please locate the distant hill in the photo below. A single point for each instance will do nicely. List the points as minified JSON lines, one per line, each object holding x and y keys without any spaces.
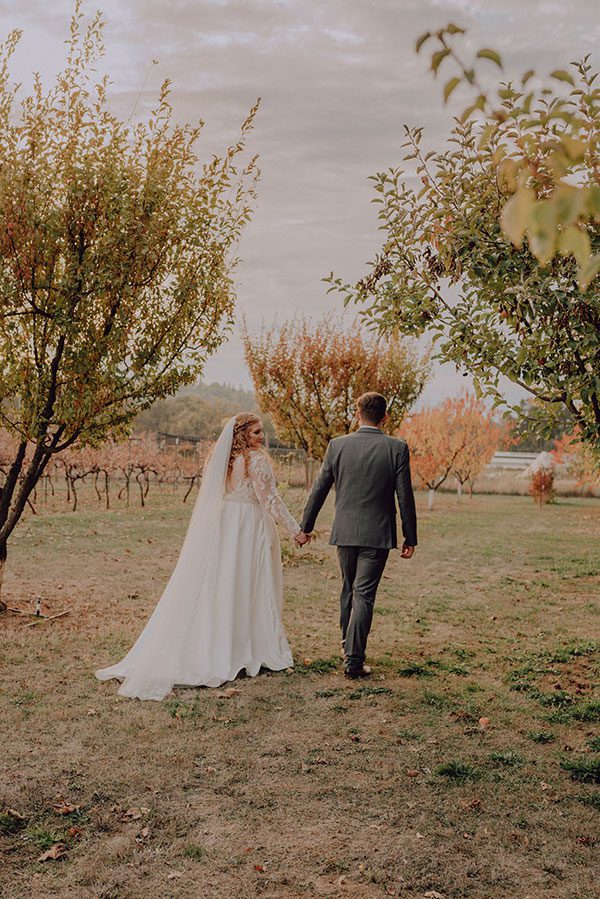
{"x":244,"y":400}
{"x":199,"y":411}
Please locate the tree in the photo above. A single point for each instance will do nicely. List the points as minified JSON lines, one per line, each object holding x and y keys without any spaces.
{"x":199,"y":411}
{"x":480,"y":435}
{"x":524,"y":433}
{"x":309,"y":376}
{"x":116,"y":251}
{"x":436,"y":439}
{"x":455,"y":261}
{"x":582,"y":462}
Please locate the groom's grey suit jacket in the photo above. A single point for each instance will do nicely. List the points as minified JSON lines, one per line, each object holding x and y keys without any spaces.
{"x":369,"y":470}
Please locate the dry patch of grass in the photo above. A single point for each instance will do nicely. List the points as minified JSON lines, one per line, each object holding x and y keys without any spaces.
{"x":468,"y":765}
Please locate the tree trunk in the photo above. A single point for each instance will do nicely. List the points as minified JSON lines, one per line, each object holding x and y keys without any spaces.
{"x":141,"y":486}
{"x":2,"y":567}
{"x":310,"y":466}
{"x":74,"y":494}
{"x":430,"y":496}
{"x":459,"y":487}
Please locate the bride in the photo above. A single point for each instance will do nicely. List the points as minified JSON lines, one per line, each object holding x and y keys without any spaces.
{"x":220,"y":613}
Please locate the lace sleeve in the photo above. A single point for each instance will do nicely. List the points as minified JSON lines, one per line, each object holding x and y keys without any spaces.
{"x":263,"y":481}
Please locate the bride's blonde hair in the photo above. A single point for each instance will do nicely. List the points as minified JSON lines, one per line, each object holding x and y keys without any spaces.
{"x":240,"y":445}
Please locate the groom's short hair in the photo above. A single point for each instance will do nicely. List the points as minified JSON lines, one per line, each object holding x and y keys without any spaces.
{"x":372,"y":407}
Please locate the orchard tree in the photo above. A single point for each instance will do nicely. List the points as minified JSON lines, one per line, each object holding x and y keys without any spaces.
{"x":308,"y":376}
{"x":496,"y":250}
{"x":116,"y":255}
{"x":438,"y":438}
{"x":481,"y":435}
{"x":582,"y":463}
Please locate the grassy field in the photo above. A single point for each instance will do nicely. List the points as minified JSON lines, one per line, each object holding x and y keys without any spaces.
{"x":468,"y":766}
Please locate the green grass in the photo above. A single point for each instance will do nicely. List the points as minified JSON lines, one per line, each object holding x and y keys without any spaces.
{"x":252,"y":793}
{"x":590,"y":799}
{"x":42,"y":836}
{"x":541,"y":736}
{"x":195,"y":853}
{"x":584,"y":769}
{"x":10,"y":824}
{"x":319,"y":666}
{"x":414,"y":669}
{"x":369,"y":691}
{"x":457,"y":770}
{"x":507,"y":758}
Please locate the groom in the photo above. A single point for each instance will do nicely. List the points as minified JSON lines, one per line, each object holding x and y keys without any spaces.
{"x":368,"y":469}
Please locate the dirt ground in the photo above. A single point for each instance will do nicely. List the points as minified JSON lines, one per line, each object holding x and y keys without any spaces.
{"x":467,"y":766}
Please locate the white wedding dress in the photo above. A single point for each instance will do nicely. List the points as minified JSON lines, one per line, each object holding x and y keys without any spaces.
{"x":221,"y":610}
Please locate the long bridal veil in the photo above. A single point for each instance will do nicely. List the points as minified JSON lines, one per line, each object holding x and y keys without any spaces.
{"x":157,"y":660}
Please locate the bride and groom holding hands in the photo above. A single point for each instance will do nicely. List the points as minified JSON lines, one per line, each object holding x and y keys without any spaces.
{"x":220,"y":613}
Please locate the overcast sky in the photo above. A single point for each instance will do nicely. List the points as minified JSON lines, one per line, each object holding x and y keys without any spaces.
{"x":337,"y":78}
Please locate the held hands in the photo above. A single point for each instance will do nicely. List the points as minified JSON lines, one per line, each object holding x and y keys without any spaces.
{"x":301,"y":539}
{"x":407,"y":551}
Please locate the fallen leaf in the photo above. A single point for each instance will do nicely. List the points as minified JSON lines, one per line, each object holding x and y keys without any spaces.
{"x":483,"y":723}
{"x":174,"y":874}
{"x":142,"y":835}
{"x":64,"y":808}
{"x":14,"y":814}
{"x":307,"y":662}
{"x":134,"y":814}
{"x":228,"y":693}
{"x":55,"y":852}
{"x":259,"y":868}
{"x":412,"y":772}
{"x":73,"y":832}
{"x":433,"y":894}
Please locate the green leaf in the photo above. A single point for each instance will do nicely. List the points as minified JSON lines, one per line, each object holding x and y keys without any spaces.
{"x":421,"y":40}
{"x":575,"y":241}
{"x":589,"y":271}
{"x":561,"y":75}
{"x":486,"y":135}
{"x":450,"y":85}
{"x":528,"y":74}
{"x":438,"y":58}
{"x":455,"y":29}
{"x":486,"y":53}
{"x":574,"y":149}
{"x":570,"y":202}
{"x":593,"y":203}
{"x":542,"y":230}
{"x":515,"y":215}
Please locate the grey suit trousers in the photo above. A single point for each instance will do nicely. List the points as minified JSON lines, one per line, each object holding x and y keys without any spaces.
{"x":362,"y":568}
